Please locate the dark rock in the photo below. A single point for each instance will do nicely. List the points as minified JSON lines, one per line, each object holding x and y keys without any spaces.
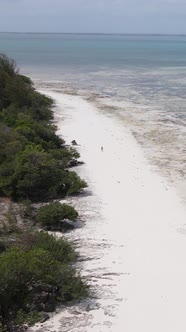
{"x":67,"y":226}
{"x":88,"y":307}
{"x":74,"y":163}
{"x":76,"y":312}
{"x":74,"y":142}
{"x":45,"y":317}
{"x":63,"y":226}
{"x":92,"y":306}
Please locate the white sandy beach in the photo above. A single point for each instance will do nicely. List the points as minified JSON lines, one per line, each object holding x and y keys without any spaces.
{"x":135,"y":230}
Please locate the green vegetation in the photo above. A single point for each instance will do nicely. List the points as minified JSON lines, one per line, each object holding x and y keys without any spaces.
{"x":36,"y":269}
{"x":54,"y":213}
{"x":59,"y":248}
{"x":33,"y":159}
{"x":35,"y":277}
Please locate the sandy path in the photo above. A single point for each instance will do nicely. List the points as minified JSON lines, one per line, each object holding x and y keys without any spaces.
{"x":139,"y":212}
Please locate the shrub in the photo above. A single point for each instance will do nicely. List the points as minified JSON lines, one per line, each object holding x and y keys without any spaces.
{"x":59,"y":248}
{"x":33,"y":159}
{"x":54,"y":213}
{"x":25,"y":274}
{"x":36,"y":175}
{"x":30,"y":318}
{"x":8,"y":65}
{"x":73,"y":184}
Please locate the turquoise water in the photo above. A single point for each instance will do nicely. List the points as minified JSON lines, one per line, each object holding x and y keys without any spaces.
{"x":95,"y":51}
{"x":125,"y":66}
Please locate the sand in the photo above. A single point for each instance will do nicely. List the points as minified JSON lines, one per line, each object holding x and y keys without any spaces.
{"x":139,"y":214}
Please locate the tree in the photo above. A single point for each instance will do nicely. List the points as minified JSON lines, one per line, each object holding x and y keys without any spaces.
{"x":36,"y":174}
{"x":8,"y":65}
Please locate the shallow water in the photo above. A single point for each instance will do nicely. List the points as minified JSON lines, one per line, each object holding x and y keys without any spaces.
{"x":155,"y":123}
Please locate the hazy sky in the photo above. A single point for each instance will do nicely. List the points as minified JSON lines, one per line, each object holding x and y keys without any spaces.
{"x":127,"y":16}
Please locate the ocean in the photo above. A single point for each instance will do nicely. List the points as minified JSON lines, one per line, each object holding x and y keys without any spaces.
{"x":141,"y":78}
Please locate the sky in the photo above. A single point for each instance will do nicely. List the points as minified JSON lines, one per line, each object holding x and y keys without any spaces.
{"x":94,"y":16}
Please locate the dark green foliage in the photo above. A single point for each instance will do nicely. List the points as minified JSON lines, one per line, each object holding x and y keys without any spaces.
{"x":36,"y":269}
{"x":36,"y":174}
{"x":8,"y":65}
{"x":33,"y":159}
{"x":73,"y":183}
{"x":59,"y":248}
{"x":55,"y":212}
{"x":18,"y":270}
{"x":34,"y":274}
{"x":29,"y":318}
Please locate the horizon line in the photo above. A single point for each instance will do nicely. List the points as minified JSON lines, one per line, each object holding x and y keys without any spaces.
{"x":95,"y":33}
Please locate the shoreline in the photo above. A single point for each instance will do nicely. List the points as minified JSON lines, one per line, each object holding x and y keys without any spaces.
{"x":160,"y":134}
{"x":135,"y":226}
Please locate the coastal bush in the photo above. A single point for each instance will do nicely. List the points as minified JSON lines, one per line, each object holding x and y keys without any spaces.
{"x":36,"y":175}
{"x":8,"y":65}
{"x":36,"y":269}
{"x":59,"y":248}
{"x":30,"y":318}
{"x":33,"y":160}
{"x":34,"y":280}
{"x":73,"y":183}
{"x":19,"y":270}
{"x":54,"y":213}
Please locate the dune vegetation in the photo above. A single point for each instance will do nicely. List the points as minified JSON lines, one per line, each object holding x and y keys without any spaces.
{"x":36,"y":269}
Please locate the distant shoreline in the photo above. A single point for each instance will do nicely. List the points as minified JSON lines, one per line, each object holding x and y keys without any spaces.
{"x":97,"y":34}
